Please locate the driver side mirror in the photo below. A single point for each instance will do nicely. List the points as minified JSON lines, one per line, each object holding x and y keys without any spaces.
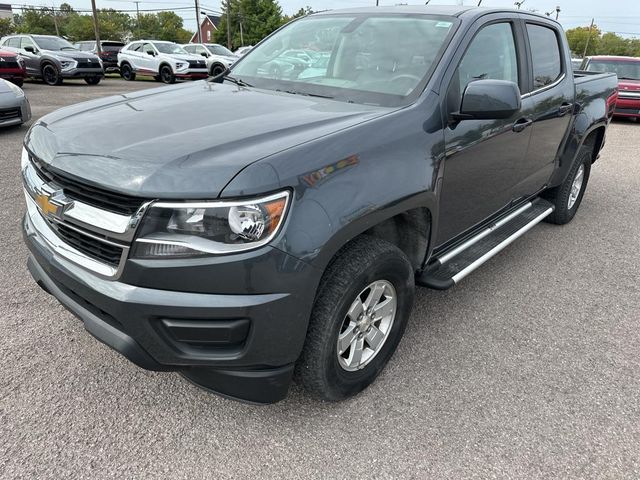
{"x":489,"y":100}
{"x":30,"y":49}
{"x":150,"y":52}
{"x":204,"y":54}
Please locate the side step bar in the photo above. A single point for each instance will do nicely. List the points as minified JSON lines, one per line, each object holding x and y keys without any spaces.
{"x":450,"y":267}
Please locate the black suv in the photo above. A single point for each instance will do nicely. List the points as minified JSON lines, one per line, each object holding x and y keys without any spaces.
{"x":108,"y":52}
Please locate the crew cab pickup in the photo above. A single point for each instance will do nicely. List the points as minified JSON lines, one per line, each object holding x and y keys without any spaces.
{"x":250,"y":229}
{"x":165,"y":61}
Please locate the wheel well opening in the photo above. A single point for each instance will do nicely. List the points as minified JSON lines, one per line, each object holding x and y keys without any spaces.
{"x":595,"y":139}
{"x":409,"y":231}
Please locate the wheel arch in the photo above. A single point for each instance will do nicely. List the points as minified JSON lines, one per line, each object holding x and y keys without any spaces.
{"x":216,"y":64}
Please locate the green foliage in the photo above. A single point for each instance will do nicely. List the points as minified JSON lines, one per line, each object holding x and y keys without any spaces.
{"x":601,"y":44}
{"x":258,"y":18}
{"x":6,"y":26}
{"x":114,"y":25}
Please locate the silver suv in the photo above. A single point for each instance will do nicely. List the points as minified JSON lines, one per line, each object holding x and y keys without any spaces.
{"x":53,"y":59}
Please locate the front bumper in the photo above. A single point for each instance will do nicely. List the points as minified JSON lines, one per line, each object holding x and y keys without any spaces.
{"x":242,"y":345}
{"x":82,"y":73}
{"x":23,"y":114}
{"x":627,"y":106}
{"x":192,"y":74}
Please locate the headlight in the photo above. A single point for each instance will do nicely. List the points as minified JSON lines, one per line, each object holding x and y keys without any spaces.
{"x":68,"y":64}
{"x":180,"y":66}
{"x":171,"y":229}
{"x":16,"y":89}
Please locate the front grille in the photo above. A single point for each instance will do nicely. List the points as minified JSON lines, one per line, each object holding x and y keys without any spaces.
{"x":9,"y":62}
{"x":628,"y":111}
{"x":197,"y":64}
{"x":87,"y":63}
{"x":103,"y":252}
{"x":9,"y":114}
{"x":95,"y":196}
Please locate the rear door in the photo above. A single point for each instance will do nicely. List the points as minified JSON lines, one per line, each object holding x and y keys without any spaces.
{"x":483,"y":157}
{"x":552,"y":96}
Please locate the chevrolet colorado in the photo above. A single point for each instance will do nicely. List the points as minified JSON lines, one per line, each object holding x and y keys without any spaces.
{"x":250,"y":229}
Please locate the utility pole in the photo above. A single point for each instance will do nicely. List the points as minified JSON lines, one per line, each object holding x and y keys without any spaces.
{"x":96,"y":27}
{"x":229,"y":24}
{"x":137,"y":2}
{"x":240,"y":22}
{"x":55,"y":20}
{"x":199,"y":35}
{"x":586,"y":45}
{"x":519,"y":4}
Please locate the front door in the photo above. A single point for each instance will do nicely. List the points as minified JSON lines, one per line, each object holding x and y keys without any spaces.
{"x":482,"y":157}
{"x":31,"y":60}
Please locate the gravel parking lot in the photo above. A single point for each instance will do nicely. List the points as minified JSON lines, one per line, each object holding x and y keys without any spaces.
{"x":528,"y":369}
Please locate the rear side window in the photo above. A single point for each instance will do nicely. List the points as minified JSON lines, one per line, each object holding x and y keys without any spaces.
{"x":545,"y":55}
{"x":13,"y":42}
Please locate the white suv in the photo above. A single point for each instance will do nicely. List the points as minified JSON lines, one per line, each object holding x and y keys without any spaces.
{"x":165,"y":61}
{"x":218,"y":57}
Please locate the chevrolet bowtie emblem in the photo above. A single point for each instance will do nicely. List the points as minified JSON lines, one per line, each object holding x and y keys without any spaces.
{"x":52,"y":204}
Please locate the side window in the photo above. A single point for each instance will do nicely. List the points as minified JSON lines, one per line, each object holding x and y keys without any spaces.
{"x":200,"y":50}
{"x":492,"y":54}
{"x":148,"y":48}
{"x":27,"y":42}
{"x":189,"y":48}
{"x":135,"y":47}
{"x":545,"y":55}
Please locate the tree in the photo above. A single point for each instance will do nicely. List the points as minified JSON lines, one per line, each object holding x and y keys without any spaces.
{"x":258,"y":17}
{"x":6,"y":26}
{"x":163,"y":26}
{"x":577,"y":38}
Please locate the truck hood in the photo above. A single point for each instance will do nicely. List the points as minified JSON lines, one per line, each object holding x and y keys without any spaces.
{"x":183,"y":142}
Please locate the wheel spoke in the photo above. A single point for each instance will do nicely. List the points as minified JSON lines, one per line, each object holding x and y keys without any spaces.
{"x":356,"y":309}
{"x":355,"y":355}
{"x":346,"y":338}
{"x":384,"y":309}
{"x":374,"y":295}
{"x":374,"y":338}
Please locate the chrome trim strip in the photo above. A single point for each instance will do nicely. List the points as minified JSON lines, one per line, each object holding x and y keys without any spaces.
{"x":501,"y":246}
{"x":47,"y":236}
{"x":626,"y":94}
{"x":223,"y":203}
{"x":472,"y":241}
{"x":546,"y":87}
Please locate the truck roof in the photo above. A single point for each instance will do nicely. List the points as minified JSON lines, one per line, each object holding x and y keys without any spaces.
{"x":449,"y":10}
{"x":614,"y":57}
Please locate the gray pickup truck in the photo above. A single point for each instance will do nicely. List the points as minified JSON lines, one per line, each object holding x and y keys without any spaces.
{"x":257,"y":227}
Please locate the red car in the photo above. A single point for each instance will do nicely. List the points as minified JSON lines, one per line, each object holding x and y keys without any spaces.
{"x":628,"y":70}
{"x":12,"y":67}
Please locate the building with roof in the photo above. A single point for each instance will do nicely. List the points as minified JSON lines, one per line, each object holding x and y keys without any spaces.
{"x":5,"y":10}
{"x":208,"y":27}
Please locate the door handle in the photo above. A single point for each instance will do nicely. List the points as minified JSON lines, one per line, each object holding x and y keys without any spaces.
{"x":564,"y":109}
{"x":521,"y":124}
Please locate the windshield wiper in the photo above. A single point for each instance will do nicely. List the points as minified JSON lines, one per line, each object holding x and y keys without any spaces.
{"x":222,"y":76}
{"x":237,"y":81}
{"x":306,"y":94}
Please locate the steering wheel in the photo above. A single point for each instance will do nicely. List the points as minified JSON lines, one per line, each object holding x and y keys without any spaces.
{"x":407,"y":76}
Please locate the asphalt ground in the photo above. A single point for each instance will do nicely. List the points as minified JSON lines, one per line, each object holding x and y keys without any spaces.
{"x":527,"y":369}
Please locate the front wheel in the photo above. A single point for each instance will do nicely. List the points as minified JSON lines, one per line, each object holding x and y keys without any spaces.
{"x":51,"y":75}
{"x":127,"y":73}
{"x":217,"y":70}
{"x":359,"y":316}
{"x":166,"y":75}
{"x":567,"y":196}
{"x":92,"y":80}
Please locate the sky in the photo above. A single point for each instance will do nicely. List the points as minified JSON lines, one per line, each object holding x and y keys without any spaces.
{"x":620,"y":16}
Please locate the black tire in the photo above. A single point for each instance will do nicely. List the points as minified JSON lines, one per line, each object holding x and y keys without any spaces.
{"x":560,"y":195}
{"x":92,"y":80}
{"x":166,"y":75}
{"x":51,"y":75}
{"x":216,"y":70}
{"x":127,"y":72}
{"x":357,"y":265}
{"x":157,"y":78}
{"x":18,"y":82}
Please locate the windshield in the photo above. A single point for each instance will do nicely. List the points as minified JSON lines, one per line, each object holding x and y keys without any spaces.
{"x":219,"y":50}
{"x":374,"y":59}
{"x":53,"y":43}
{"x":170,"y":48}
{"x":623,"y":68}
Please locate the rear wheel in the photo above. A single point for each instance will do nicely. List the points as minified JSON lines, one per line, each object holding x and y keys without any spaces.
{"x":568,"y":196}
{"x":166,"y":75}
{"x":51,"y":74}
{"x":360,"y":313}
{"x":127,"y":72}
{"x":92,"y":80}
{"x":18,"y":81}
